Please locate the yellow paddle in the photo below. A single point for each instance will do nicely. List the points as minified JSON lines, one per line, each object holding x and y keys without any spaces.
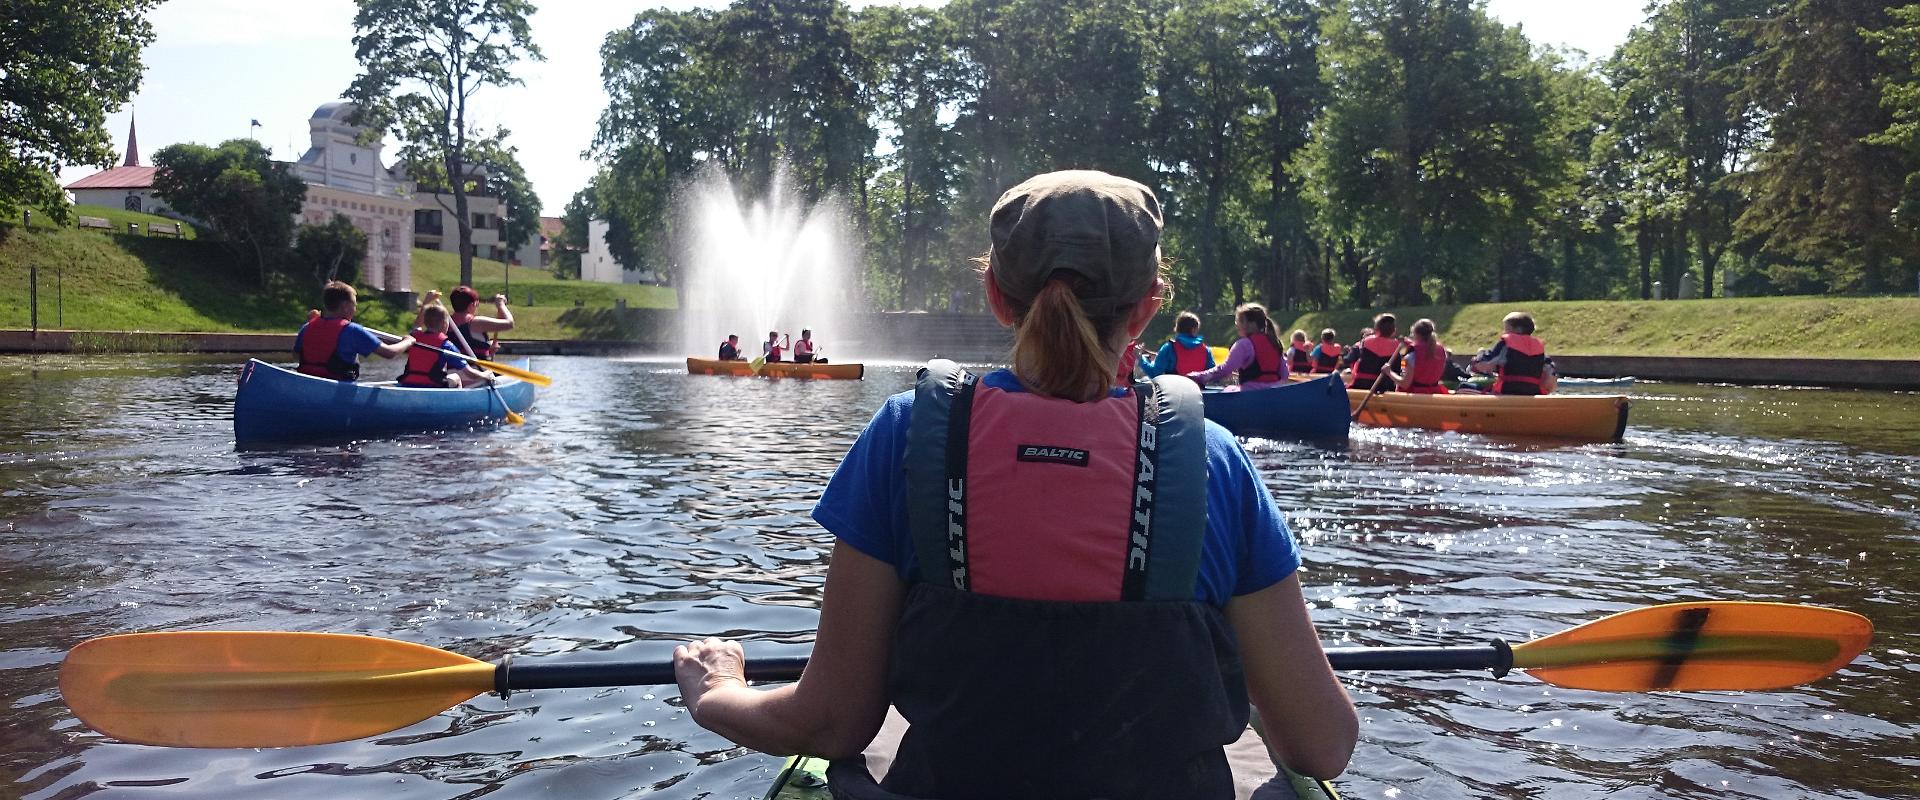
{"x":529,"y":376}
{"x":255,"y":689}
{"x":460,"y":340}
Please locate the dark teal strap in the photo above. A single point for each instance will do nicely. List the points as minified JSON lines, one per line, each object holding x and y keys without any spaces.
{"x":936,"y":472}
{"x":1178,"y":523}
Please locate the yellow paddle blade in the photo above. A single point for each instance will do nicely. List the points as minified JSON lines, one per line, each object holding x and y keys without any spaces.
{"x":258,"y":689}
{"x":758,"y":365}
{"x":529,"y":376}
{"x":1704,"y":646}
{"x":1219,"y":354}
{"x":514,"y":418}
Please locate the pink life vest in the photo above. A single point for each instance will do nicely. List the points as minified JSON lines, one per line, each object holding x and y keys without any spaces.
{"x":1075,"y":497}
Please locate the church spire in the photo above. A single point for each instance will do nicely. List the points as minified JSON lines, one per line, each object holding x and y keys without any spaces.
{"x":133,"y":144}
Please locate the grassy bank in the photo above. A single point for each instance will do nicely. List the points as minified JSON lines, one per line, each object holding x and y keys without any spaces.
{"x":93,"y":280}
{"x":1822,"y":327}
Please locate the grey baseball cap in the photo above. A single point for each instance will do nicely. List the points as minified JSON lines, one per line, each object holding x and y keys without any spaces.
{"x":1101,"y":227}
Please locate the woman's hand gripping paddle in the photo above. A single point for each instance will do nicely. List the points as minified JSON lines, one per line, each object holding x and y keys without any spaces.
{"x":249,"y":689}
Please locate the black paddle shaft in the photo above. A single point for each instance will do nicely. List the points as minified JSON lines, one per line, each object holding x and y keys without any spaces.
{"x":511,"y":677}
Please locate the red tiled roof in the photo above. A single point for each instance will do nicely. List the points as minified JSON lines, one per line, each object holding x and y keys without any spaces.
{"x":551,"y":225}
{"x":117,"y":178}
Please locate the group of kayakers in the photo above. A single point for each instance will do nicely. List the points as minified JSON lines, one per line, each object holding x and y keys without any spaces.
{"x":776,"y":346}
{"x":1382,"y":360}
{"x":331,"y":344}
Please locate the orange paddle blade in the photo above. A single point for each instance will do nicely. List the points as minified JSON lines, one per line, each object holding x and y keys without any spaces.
{"x":1720,"y":645}
{"x":258,"y":689}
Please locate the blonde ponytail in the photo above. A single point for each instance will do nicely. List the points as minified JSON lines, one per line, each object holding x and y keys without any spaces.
{"x":1059,"y":351}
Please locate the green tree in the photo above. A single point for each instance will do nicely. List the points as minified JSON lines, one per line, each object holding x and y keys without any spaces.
{"x":1286,"y":66}
{"x":242,"y":195}
{"x":421,"y":62}
{"x":333,"y":251}
{"x":1900,"y":94}
{"x":1825,"y":187}
{"x":63,"y":67}
{"x":914,"y":75}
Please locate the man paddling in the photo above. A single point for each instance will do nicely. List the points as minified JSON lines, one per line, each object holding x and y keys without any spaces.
{"x":330,"y":346}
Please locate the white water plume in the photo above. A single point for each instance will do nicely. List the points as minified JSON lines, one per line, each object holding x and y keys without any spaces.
{"x":771,"y":263}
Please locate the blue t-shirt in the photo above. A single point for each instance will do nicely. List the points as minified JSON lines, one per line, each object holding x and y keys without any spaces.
{"x":1247,"y":547}
{"x":355,"y":341}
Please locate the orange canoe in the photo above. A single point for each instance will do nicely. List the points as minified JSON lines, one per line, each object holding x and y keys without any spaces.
{"x":1584,"y":417}
{"x":777,"y":369}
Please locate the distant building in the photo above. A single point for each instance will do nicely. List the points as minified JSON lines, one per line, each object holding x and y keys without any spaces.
{"x":599,"y":265}
{"x":346,"y":177}
{"x":128,"y":186}
{"x":434,"y":227}
{"x":539,"y":250}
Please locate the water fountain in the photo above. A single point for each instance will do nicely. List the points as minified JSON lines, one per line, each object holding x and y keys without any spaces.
{"x":752,"y":265}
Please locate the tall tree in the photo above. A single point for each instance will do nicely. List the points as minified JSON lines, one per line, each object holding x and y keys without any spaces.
{"x":507,"y":180}
{"x":1900,"y":94}
{"x":63,"y":67}
{"x":1286,"y":66}
{"x":245,"y":197}
{"x":1825,"y":188}
{"x":421,"y":62}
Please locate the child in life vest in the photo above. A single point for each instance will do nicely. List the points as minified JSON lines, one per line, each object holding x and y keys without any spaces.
{"x":1257,"y":357}
{"x":1426,"y":363}
{"x":1326,"y":354}
{"x":803,"y":349}
{"x":771,"y":348}
{"x":1300,"y":354}
{"x":330,"y":345}
{"x":1010,"y":610}
{"x":427,"y":367}
{"x":1518,"y":361}
{"x":1374,"y":359}
{"x":730,"y":349}
{"x":1186,"y":352}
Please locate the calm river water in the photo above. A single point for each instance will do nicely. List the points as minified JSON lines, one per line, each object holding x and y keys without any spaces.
{"x":641,"y":506}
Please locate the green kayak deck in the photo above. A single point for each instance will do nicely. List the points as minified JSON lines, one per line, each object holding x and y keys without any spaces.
{"x":805,"y":778}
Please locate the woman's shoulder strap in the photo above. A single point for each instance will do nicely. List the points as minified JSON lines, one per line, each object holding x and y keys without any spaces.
{"x":936,"y":465}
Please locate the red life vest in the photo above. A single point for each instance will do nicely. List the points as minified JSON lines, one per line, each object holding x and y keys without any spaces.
{"x":425,"y":367}
{"x":1525,"y":367}
{"x":1268,"y":365}
{"x":1375,"y":352}
{"x":1429,"y":366}
{"x":1302,"y":358}
{"x":1190,"y":359}
{"x":482,"y":347}
{"x":320,"y":351}
{"x":1329,"y":358}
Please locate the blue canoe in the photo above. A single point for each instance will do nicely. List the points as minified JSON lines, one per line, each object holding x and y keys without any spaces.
{"x":1315,"y":409}
{"x":275,"y":404}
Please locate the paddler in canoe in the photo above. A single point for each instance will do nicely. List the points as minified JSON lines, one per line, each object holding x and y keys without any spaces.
{"x":1186,"y":352}
{"x":1300,"y":354}
{"x":804,"y":350}
{"x":772,"y":348}
{"x":1326,"y":354}
{"x":330,"y":345}
{"x":1377,"y":353}
{"x":730,"y":349}
{"x":1048,"y":626}
{"x":478,"y":330}
{"x":1426,"y":362}
{"x":1257,"y":357}
{"x":1518,"y":361}
{"x":428,"y":369}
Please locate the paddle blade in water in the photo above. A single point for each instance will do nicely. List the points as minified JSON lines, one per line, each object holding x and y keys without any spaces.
{"x":252,"y":689}
{"x":1704,"y":646}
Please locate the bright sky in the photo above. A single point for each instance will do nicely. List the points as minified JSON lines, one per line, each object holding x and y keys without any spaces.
{"x":216,"y":65}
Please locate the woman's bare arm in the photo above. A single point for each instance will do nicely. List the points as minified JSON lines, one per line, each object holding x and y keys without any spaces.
{"x":840,"y":701}
{"x":1310,"y":722}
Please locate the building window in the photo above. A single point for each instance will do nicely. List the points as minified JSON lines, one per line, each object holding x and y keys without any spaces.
{"x":133,"y":202}
{"x":427,"y":221}
{"x":479,"y":220}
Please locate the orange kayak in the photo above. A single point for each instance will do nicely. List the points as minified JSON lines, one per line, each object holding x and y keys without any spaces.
{"x":1584,"y":418}
{"x":776,"y":369}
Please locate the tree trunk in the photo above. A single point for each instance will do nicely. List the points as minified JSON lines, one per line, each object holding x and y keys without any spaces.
{"x":1566,"y":267}
{"x":1643,"y":245}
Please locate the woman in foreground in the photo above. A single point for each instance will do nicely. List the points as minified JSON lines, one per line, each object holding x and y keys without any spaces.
{"x":1067,"y":589}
